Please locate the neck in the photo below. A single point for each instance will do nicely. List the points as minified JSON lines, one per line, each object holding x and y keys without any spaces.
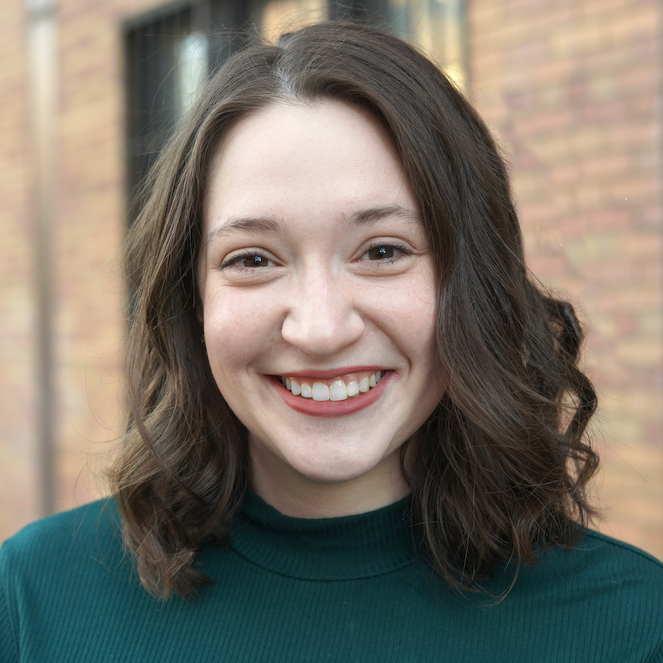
{"x":302,"y":497}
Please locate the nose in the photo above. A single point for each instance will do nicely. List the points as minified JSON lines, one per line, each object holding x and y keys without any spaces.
{"x":322,"y":318}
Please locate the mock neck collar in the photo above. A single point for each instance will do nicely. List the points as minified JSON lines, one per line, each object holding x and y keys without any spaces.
{"x":324,"y":549}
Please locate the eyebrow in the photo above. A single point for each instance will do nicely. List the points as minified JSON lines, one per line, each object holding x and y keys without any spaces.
{"x":374,"y":214}
{"x":264,"y":225}
{"x":260,"y":225}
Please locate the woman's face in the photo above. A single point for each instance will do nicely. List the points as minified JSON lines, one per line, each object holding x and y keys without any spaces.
{"x":319,"y":304}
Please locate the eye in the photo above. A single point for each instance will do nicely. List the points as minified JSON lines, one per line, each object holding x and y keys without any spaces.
{"x":254,"y":261}
{"x":381,"y":252}
{"x":385,"y":252}
{"x":247,"y":261}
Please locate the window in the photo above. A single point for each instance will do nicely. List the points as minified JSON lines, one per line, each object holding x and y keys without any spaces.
{"x":168,"y":54}
{"x":437,"y":26}
{"x":272,"y":17}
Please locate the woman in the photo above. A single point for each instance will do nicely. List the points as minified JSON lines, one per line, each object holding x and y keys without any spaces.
{"x":356,"y":425}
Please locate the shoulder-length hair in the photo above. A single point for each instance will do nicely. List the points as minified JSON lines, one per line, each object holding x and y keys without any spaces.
{"x":503,"y":463}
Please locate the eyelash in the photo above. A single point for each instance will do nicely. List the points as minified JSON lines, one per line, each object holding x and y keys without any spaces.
{"x":383,"y":245}
{"x":235,"y":260}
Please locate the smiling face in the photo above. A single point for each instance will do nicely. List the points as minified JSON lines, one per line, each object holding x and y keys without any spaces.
{"x":319,"y":304}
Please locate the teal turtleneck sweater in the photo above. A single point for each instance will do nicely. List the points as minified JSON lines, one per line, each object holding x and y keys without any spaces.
{"x":344,"y":589}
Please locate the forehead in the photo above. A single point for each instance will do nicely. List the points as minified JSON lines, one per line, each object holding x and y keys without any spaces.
{"x":289,"y":155}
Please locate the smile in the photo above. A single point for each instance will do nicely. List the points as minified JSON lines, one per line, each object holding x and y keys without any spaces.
{"x":333,"y":394}
{"x":338,"y":389}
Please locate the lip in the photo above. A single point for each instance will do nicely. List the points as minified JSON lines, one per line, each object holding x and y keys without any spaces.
{"x":332,"y":372}
{"x":331,"y":408}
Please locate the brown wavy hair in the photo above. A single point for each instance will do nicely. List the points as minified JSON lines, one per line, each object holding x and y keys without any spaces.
{"x":503,"y":462}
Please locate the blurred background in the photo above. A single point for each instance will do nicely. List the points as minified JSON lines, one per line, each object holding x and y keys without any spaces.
{"x":89,"y":89}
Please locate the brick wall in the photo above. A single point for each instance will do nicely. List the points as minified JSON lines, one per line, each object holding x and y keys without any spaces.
{"x":17,"y":309}
{"x":573,"y":90}
{"x":88,"y":229}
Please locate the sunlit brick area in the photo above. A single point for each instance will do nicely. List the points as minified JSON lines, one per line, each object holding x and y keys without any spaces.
{"x":572,"y":89}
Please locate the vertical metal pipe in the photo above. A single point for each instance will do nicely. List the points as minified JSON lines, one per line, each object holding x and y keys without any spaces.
{"x":42,"y":80}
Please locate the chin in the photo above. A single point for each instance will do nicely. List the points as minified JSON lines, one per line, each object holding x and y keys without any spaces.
{"x":341,"y":469}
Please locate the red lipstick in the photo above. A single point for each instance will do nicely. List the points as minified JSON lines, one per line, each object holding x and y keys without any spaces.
{"x":332,"y":408}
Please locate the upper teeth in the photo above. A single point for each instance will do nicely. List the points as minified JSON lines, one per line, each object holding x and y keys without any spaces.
{"x":338,"y":390}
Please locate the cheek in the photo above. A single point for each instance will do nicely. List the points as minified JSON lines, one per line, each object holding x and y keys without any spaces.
{"x":422,"y":309}
{"x":237,"y":329}
{"x":224,"y":324}
{"x":416,"y":330}
{"x":410,"y":314}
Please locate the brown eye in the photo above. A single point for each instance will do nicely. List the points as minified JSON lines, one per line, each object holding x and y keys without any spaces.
{"x":255,"y":261}
{"x":380,"y":253}
{"x":247,"y":261}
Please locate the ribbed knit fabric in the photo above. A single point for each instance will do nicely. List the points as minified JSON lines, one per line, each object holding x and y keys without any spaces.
{"x":345,"y":589}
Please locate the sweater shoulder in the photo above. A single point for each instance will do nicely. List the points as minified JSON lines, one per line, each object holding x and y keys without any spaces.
{"x":606,"y":552}
{"x":601,"y":573}
{"x":598,"y":559}
{"x":92,"y":531}
{"x":53,"y":564}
